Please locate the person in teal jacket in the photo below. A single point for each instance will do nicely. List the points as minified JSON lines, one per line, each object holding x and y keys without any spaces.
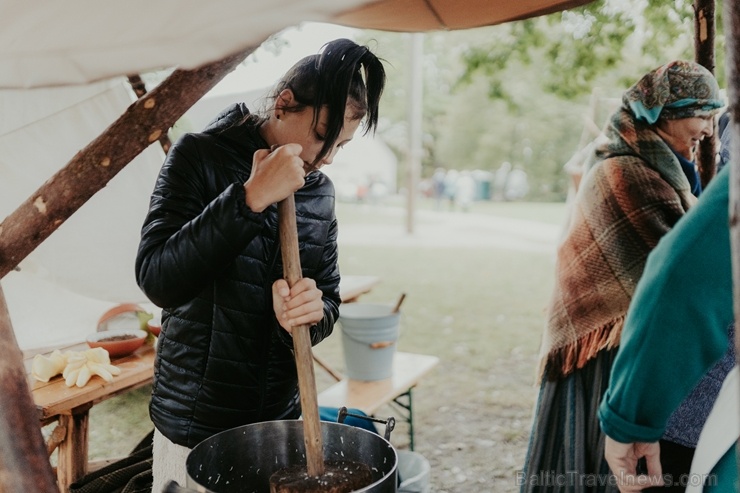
{"x":676,"y":330}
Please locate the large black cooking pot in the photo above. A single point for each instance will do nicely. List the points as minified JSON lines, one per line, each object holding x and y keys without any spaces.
{"x":241,"y":460}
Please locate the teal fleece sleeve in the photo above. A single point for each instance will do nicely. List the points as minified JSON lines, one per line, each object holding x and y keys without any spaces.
{"x":676,"y":326}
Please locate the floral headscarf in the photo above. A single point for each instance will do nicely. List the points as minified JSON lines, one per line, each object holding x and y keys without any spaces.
{"x":678,"y":89}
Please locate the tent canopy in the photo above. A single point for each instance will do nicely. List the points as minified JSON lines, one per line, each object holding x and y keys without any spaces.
{"x":80,"y":41}
{"x":432,"y":15}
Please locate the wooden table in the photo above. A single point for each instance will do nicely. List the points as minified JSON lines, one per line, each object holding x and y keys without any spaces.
{"x":352,"y":287}
{"x":369,"y":397}
{"x":70,"y":407}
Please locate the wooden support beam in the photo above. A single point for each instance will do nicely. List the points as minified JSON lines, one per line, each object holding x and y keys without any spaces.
{"x":731,"y":15}
{"x":24,"y":463}
{"x":704,"y":34}
{"x":142,"y":124}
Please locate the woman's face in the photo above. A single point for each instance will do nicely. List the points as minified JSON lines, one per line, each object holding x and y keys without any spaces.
{"x":684,"y":134}
{"x":296,"y":127}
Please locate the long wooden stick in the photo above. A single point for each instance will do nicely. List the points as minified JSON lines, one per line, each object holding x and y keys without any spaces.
{"x":301,"y":342}
{"x":704,"y":33}
{"x":24,"y":463}
{"x":732,"y":64}
{"x":143,"y":123}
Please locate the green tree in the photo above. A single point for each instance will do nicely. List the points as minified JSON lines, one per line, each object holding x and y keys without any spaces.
{"x":577,"y":48}
{"x":518,"y":92}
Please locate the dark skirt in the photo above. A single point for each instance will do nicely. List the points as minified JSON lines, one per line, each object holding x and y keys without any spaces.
{"x":566,"y":446}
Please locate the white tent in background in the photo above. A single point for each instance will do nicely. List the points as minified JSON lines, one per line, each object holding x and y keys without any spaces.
{"x":87,"y":265}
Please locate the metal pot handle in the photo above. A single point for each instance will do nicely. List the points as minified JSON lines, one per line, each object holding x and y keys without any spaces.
{"x":390,"y":422}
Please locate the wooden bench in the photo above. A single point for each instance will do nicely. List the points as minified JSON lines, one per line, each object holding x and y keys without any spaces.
{"x":369,"y":397}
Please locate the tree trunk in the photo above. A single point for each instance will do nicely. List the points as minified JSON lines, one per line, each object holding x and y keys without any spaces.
{"x":143,"y":123}
{"x":732,"y":35}
{"x":24,"y":463}
{"x":704,"y":34}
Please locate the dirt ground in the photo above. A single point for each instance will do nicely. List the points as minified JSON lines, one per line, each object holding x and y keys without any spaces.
{"x":473,"y":433}
{"x":477,"y":443}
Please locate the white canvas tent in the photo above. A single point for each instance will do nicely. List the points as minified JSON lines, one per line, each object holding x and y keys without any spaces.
{"x":58,"y":292}
{"x":49,"y":43}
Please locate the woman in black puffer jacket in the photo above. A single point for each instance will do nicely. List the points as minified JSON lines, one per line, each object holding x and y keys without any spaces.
{"x":209,"y":252}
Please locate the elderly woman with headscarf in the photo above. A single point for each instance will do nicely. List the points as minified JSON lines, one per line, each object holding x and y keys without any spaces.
{"x":642,"y":180}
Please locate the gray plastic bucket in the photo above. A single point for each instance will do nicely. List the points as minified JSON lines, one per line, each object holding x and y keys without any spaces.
{"x":413,"y":472}
{"x":369,"y":336}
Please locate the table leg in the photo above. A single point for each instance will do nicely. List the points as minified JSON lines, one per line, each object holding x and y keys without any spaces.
{"x":409,"y":414}
{"x":72,"y":458}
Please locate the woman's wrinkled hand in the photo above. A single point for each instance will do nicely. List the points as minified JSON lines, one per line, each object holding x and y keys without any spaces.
{"x":622,"y":459}
{"x":300,"y":305}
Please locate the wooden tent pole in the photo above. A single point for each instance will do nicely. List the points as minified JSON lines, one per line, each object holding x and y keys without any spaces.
{"x":704,"y":34}
{"x":24,"y":463}
{"x":732,"y":43}
{"x":143,"y":123}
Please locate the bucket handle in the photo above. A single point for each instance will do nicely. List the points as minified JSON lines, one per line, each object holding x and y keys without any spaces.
{"x":389,"y":423}
{"x":381,"y":345}
{"x":373,"y":345}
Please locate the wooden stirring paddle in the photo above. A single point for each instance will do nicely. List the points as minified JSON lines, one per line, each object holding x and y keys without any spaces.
{"x":337,"y":476}
{"x":301,"y":342}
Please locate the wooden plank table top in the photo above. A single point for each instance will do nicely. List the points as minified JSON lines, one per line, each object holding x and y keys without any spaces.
{"x":369,"y":396}
{"x":352,"y":287}
{"x":53,"y":398}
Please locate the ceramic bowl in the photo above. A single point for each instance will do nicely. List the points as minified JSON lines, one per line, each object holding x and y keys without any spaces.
{"x":118,"y":343}
{"x":154,"y":325}
{"x":123,"y":316}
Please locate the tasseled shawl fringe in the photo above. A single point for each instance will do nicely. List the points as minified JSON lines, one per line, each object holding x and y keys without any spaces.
{"x":563,"y":361}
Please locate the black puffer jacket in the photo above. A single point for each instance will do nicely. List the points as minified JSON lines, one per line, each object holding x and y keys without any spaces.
{"x":209,"y":262}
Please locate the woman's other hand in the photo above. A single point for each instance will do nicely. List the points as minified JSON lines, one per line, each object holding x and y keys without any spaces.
{"x":275,"y":175}
{"x":299,"y":305}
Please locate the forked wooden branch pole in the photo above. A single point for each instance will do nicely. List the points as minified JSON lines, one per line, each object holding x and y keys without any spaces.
{"x":301,"y":342}
{"x":24,"y":463}
{"x":704,"y":33}
{"x":143,"y":123}
{"x":732,"y":49}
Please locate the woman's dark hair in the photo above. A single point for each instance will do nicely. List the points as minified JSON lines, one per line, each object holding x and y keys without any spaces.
{"x":344,"y":72}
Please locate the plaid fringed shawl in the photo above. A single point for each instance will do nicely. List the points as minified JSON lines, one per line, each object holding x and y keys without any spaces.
{"x":633,"y":194}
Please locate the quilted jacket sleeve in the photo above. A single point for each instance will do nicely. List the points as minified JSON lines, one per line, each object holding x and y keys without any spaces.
{"x":327,"y":279}
{"x":187,"y":237}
